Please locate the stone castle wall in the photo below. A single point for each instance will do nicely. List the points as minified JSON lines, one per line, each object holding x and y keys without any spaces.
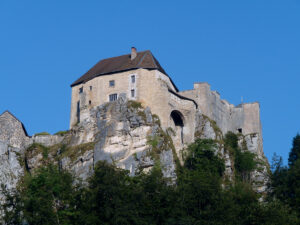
{"x":96,"y":91}
{"x":155,"y":90}
{"x":12,"y":131}
{"x":151,"y":89}
{"x":227,"y":116}
{"x":244,"y":118}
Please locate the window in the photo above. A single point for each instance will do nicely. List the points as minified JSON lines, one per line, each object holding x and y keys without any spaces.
{"x":132,"y":93}
{"x":111,"y":83}
{"x":78,"y":112}
{"x":133,"y":79}
{"x":113,"y":97}
{"x":240,"y":130}
{"x":90,"y":102}
{"x":81,"y":90}
{"x":91,"y":88}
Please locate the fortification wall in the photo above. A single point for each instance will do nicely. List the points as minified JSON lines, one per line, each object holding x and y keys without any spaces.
{"x":155,"y":90}
{"x":12,"y":131}
{"x":243,"y":118}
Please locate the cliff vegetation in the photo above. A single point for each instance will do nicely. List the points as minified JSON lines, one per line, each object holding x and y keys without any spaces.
{"x":200,"y":195}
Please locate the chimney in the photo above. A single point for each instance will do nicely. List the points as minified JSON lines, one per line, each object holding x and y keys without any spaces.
{"x":133,"y":53}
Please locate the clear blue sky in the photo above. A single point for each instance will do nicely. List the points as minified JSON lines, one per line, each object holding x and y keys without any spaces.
{"x":242,"y":48}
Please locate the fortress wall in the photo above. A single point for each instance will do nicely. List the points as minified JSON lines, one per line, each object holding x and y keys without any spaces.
{"x":227,"y":116}
{"x":211,"y":105}
{"x":153,"y":92}
{"x":166,"y":79}
{"x":11,"y":131}
{"x":188,"y":111}
{"x":253,"y":125}
{"x":252,"y":118}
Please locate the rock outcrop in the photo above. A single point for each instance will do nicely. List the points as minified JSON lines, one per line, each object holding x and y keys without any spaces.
{"x":122,"y":133}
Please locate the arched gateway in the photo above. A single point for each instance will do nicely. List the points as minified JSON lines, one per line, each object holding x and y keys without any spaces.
{"x":178,"y":120}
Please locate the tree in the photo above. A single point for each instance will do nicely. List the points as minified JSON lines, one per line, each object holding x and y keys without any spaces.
{"x":285,"y":184}
{"x":295,"y":151}
{"x":46,"y":197}
{"x":199,"y":183}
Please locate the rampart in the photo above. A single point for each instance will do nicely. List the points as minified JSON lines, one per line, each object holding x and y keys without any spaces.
{"x":244,"y":118}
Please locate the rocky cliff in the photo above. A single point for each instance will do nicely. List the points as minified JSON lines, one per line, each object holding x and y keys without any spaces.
{"x":123,"y":133}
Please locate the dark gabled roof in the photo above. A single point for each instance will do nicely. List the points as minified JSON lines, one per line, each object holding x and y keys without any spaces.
{"x":12,"y":115}
{"x":144,"y":60}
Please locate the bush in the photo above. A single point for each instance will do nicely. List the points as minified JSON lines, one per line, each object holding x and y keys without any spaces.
{"x":244,"y":161}
{"x":47,"y":197}
{"x":134,"y":104}
{"x":41,"y":134}
{"x":201,"y":155}
{"x":61,"y":133}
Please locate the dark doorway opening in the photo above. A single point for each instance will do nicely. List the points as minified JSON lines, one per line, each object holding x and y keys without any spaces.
{"x":177,"y":118}
{"x":178,"y":121}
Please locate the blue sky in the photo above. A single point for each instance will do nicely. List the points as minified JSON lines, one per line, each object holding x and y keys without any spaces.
{"x":242,"y":48}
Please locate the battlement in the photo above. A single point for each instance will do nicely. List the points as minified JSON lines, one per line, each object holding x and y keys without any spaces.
{"x":243,"y":118}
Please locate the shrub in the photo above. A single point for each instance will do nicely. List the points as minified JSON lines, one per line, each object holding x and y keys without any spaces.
{"x":244,"y":161}
{"x":41,"y":134}
{"x":61,"y":133}
{"x":134,"y":104}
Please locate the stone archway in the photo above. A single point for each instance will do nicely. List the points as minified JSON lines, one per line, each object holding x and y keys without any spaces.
{"x":178,"y":120}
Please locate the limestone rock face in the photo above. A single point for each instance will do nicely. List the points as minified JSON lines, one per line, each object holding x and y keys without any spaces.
{"x":207,"y":129}
{"x":82,"y":166}
{"x":120,"y":132}
{"x":10,"y":166}
{"x":124,"y":129}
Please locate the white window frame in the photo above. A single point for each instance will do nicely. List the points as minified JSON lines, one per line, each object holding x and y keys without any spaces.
{"x":132,"y":86}
{"x":112,"y":97}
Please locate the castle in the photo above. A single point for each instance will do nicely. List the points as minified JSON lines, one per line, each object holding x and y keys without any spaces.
{"x":141,"y":78}
{"x":121,"y":132}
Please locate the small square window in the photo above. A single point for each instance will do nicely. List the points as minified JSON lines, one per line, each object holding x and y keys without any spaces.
{"x":132,"y":93}
{"x":111,"y":83}
{"x":81,"y":90}
{"x":113,"y":97}
{"x":90,"y":102}
{"x":133,"y":79}
{"x":91,"y":88}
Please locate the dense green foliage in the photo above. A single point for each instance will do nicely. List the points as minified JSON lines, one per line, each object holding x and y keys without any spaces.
{"x":111,"y":196}
{"x":44,"y":198}
{"x":285,"y":183}
{"x":244,"y":161}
